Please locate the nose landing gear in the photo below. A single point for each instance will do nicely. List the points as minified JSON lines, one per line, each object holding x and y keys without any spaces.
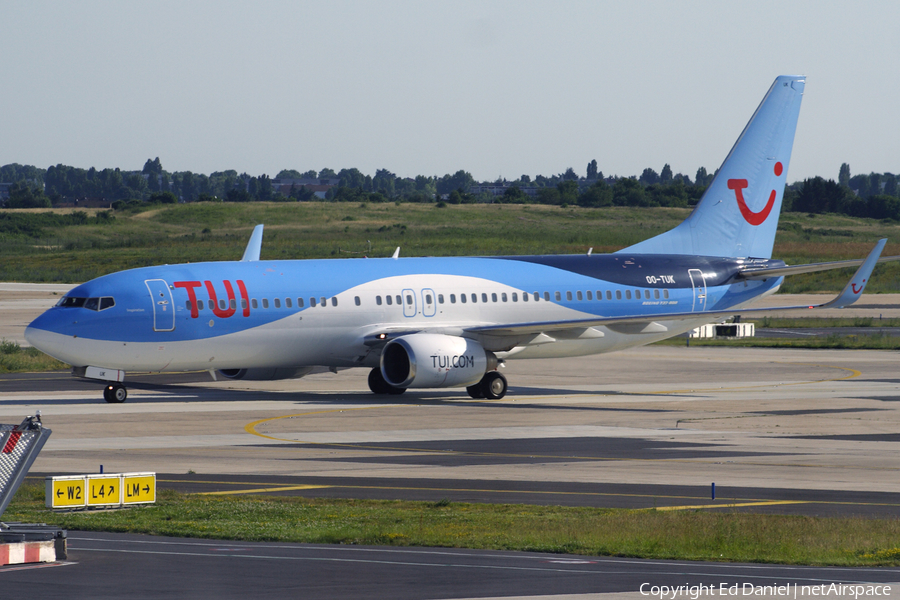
{"x":115,"y":393}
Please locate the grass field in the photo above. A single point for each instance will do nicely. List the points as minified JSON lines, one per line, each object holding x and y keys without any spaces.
{"x":695,"y":535}
{"x":215,"y":231}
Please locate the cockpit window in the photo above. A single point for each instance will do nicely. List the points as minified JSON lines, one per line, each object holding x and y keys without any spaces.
{"x":88,"y":303}
{"x":71,"y":302}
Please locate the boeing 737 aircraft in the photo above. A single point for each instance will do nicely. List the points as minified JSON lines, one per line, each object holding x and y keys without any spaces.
{"x":447,"y":322}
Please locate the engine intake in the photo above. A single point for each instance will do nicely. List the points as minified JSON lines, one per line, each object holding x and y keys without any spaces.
{"x":431,"y":360}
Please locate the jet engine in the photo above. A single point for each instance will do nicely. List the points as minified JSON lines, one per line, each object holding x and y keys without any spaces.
{"x":265,"y":374}
{"x":431,"y":360}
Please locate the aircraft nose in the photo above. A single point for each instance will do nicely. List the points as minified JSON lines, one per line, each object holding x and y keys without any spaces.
{"x":46,"y":334}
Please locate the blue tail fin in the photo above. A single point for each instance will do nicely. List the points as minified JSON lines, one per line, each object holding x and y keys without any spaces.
{"x":738,"y":214}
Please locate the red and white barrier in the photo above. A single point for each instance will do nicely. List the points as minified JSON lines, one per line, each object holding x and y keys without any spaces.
{"x":27,"y":552}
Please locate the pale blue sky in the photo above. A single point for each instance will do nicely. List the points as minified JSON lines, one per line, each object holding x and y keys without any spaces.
{"x":495,"y":88}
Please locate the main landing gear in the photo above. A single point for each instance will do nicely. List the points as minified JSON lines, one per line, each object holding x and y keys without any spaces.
{"x":492,"y":386}
{"x":379,"y":386}
{"x":115,"y":393}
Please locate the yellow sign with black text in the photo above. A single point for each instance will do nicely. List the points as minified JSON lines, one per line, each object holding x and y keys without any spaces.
{"x":138,"y":488}
{"x":98,"y":491}
{"x":65,"y":492}
{"x":104,"y":490}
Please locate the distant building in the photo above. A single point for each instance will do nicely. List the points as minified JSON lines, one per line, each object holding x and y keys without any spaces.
{"x":499,"y":190}
{"x":319,"y":187}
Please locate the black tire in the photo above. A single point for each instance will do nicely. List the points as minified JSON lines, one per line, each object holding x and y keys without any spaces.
{"x":115,"y":393}
{"x":475,"y":391}
{"x":379,"y":386}
{"x":493,"y":385}
{"x":377,"y":383}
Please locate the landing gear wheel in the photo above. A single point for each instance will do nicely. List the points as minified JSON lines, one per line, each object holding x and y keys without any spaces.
{"x":493,"y":385}
{"x":475,"y":391}
{"x":115,"y":393}
{"x":379,"y":386}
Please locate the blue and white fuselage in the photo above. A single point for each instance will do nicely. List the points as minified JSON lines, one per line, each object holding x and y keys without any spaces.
{"x":446,"y":322}
{"x":289,"y":314}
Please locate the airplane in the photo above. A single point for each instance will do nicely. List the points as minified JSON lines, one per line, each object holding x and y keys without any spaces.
{"x":444,"y":322}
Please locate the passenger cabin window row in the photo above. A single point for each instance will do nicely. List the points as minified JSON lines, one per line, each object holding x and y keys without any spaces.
{"x":398,"y":299}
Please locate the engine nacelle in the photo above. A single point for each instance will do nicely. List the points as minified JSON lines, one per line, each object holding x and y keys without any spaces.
{"x":431,"y":360}
{"x":265,"y":374}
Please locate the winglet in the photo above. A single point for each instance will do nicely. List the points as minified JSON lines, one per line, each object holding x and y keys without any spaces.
{"x":853,"y":291}
{"x":254,"y":245}
{"x":396,"y":253}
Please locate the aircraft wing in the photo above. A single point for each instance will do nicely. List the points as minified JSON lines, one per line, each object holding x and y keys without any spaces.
{"x":651,"y":324}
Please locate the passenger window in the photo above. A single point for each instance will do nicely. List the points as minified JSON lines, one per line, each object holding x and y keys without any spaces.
{"x":322,"y":301}
{"x":187,"y":304}
{"x":579,"y":296}
{"x":356,"y":300}
{"x":233,"y":304}
{"x":558,"y":296}
{"x":312,"y":301}
{"x":390,"y":300}
{"x":243,"y":303}
{"x":199,"y":304}
{"x":608,"y":295}
{"x":452,"y":298}
{"x":265,"y":303}
{"x":647,"y":294}
{"x":409,"y":299}
{"x":537,"y":296}
{"x":334,"y":300}
{"x":287,"y":303}
{"x":569,"y":296}
{"x":254,"y":304}
{"x":628,"y":294}
{"x":378,"y":300}
{"x":493,"y":298}
{"x":277,"y":302}
{"x":299,"y":302}
{"x":427,"y":299}
{"x":515,"y":297}
{"x":462,"y":298}
{"x":440,"y":298}
{"x":503,"y":296}
{"x":590,"y":295}
{"x":618,"y":294}
{"x":399,"y":300}
{"x":666,"y":294}
{"x":222,"y":304}
{"x":524,"y":297}
{"x":547,"y":296}
{"x":656,"y":294}
{"x":484,"y":297}
{"x":474,"y":298}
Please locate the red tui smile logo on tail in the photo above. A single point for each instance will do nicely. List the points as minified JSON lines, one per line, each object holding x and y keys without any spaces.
{"x":754,"y":218}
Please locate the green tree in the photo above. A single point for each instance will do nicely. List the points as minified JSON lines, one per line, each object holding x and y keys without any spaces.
{"x":163,"y":198}
{"x":289,"y":174}
{"x":592,"y":169}
{"x":649,"y":177}
{"x":23,"y":195}
{"x":665,"y":176}
{"x":598,"y":195}
{"x":844,"y":175}
{"x":327,"y":174}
